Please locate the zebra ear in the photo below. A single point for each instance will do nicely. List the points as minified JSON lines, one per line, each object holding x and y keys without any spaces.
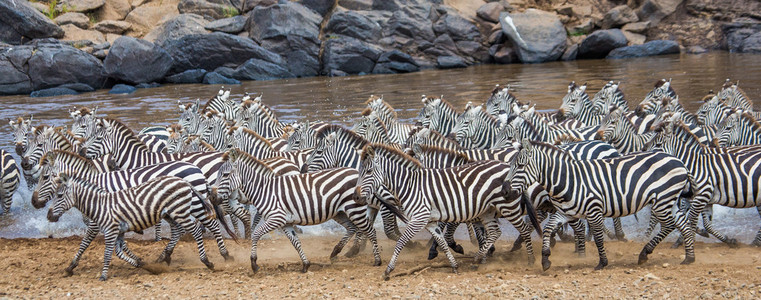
{"x":526,"y":144}
{"x":583,"y":87}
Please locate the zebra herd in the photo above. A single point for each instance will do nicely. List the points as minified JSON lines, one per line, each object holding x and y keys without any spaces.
{"x":593,"y":158}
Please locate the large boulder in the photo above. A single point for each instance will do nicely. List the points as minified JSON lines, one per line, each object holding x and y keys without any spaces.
{"x":136,"y":61}
{"x":321,"y":7}
{"x":490,"y":11}
{"x":210,"y":10}
{"x":145,"y":18}
{"x":122,"y":89}
{"x":449,"y":62}
{"x":15,"y":79}
{"x":248,"y":5}
{"x":349,"y":55}
{"x":752,"y":44}
{"x":459,"y":28}
{"x":291,"y":30}
{"x":19,"y":22}
{"x":257,"y":69}
{"x":74,"y":33}
{"x":53,"y":64}
{"x":353,"y":24}
{"x":229,"y":25}
{"x":655,"y":10}
{"x":114,"y":10}
{"x":216,"y":78}
{"x":176,"y":27}
{"x":79,"y":19}
{"x":410,"y":24}
{"x":56,"y":91}
{"x":539,"y":36}
{"x":81,"y":5}
{"x":395,"y":61}
{"x":601,"y":42}
{"x":618,"y":16}
{"x":209,"y":51}
{"x":651,"y":48}
{"x":189,"y":76}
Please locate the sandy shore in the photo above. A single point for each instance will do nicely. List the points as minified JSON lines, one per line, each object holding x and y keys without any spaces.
{"x":33,"y":268}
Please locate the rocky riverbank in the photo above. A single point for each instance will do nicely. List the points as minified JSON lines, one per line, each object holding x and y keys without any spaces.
{"x":53,"y":47}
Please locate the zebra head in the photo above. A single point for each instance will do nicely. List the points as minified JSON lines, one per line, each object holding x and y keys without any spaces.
{"x":294,"y":136}
{"x":475,"y":128}
{"x":64,"y":196}
{"x":20,"y":130}
{"x":385,"y":111}
{"x":653,"y":100}
{"x":177,"y":136}
{"x":730,"y":131}
{"x":46,"y":187}
{"x":324,"y":155}
{"x":500,"y":100}
{"x":368,"y":183}
{"x":521,"y":172}
{"x":427,"y":115}
{"x":602,"y":98}
{"x":84,"y":121}
{"x":41,"y":140}
{"x":609,"y":126}
{"x":572,"y":102}
{"x":190,"y":116}
{"x":104,"y":138}
{"x":228,"y":177}
{"x":711,"y":111}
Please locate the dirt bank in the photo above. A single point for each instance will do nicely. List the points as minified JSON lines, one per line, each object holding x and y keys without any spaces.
{"x":34,"y":268}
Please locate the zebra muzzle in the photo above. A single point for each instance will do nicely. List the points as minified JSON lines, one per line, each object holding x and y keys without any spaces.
{"x":358,"y":196}
{"x":35,"y":200}
{"x":20,"y":149}
{"x":52,"y":217}
{"x":25,"y":164}
{"x":82,"y":152}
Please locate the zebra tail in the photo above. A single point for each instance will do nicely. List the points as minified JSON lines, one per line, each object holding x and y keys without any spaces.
{"x":531,"y":212}
{"x":213,"y":211}
{"x":394,"y":209}
{"x":218,"y":210}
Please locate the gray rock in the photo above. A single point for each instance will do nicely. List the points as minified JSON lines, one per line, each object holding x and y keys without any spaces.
{"x":225,"y":71}
{"x":566,"y":10}
{"x":584,"y":27}
{"x":651,"y":48}
{"x":229,"y":25}
{"x":56,"y":64}
{"x":321,"y":7}
{"x":538,"y":36}
{"x":634,"y":38}
{"x":655,"y":10}
{"x":136,"y":61}
{"x":696,"y":50}
{"x":148,"y":85}
{"x":216,"y":78}
{"x":189,"y":76}
{"x":503,"y":54}
{"x":349,"y":55}
{"x":459,"y":28}
{"x":210,"y":10}
{"x":618,"y":16}
{"x":101,"y":46}
{"x":409,"y":24}
{"x":248,"y":5}
{"x":291,"y":30}
{"x":79,"y":87}
{"x":81,"y":5}
{"x":257,"y":69}
{"x":353,"y":24}
{"x":395,"y":61}
{"x":100,"y":54}
{"x":736,"y":37}
{"x":449,"y":62}
{"x":56,"y":91}
{"x":638,"y":27}
{"x":570,"y":53}
{"x":19,"y":22}
{"x":176,"y":27}
{"x":122,"y":89}
{"x":209,"y":51}
{"x":356,"y":4}
{"x":752,"y":44}
{"x":600,"y":43}
{"x":490,"y":11}
{"x":78,"y":19}
{"x":112,"y":26}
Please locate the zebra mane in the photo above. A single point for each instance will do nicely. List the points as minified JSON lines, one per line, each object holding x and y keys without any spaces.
{"x":748,"y":118}
{"x":548,"y":148}
{"x":443,"y":102}
{"x":385,"y":106}
{"x":392,"y":154}
{"x":659,"y":83}
{"x":689,"y":137}
{"x":480,"y":112}
{"x":440,"y":150}
{"x":124,"y":128}
{"x":19,"y":120}
{"x":57,"y":154}
{"x":255,"y":164}
{"x":343,"y":134}
{"x":74,"y":178}
{"x":251,"y":135}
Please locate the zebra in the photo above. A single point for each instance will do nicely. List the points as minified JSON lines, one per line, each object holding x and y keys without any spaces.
{"x":83,"y":119}
{"x":610,"y":94}
{"x":259,"y":147}
{"x":128,"y":152}
{"x":739,"y":129}
{"x":614,"y":187}
{"x":734,"y":97}
{"x":9,"y":180}
{"x":397,"y":131}
{"x":438,"y":114}
{"x":725,"y":177}
{"x":652,"y":102}
{"x":304,"y":199}
{"x":190,"y":116}
{"x":134,"y":209}
{"x":459,"y":194}
{"x":713,"y":112}
{"x":41,"y":140}
{"x":425,"y":136}
{"x":577,"y":105}
{"x":155,"y":137}
{"x":223,"y":104}
{"x":214,"y":130}
{"x":619,"y":131}
{"x":372,"y":128}
{"x":177,"y":137}
{"x":475,"y":128}
{"x":501,"y":99}
{"x":259,"y":118}
{"x":523,"y":127}
{"x":21,"y":128}
{"x":303,"y":135}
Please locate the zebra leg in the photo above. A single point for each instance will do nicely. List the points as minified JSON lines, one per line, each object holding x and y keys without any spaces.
{"x":595,"y":220}
{"x":213,"y":226}
{"x":176,"y":232}
{"x":480,"y":231}
{"x":433,"y":252}
{"x":689,"y":236}
{"x":651,"y":224}
{"x":413,"y":227}
{"x":525,"y":232}
{"x":620,"y":235}
{"x":157,"y":237}
{"x":350,"y":231}
{"x":546,"y":236}
{"x":707,"y":215}
{"x":92,"y":232}
{"x":390,"y":228}
{"x":449,"y":237}
{"x":360,"y":219}
{"x":228,"y":209}
{"x":371,"y":214}
{"x":197,"y":232}
{"x":580,"y":242}
{"x":492,"y":234}
{"x":472,"y":234}
{"x":709,"y":227}
{"x":125,"y":254}
{"x":111,"y":237}
{"x":664,"y":216}
{"x":757,"y":240}
{"x":291,"y":234}
{"x":265,"y":227}
{"x":438,"y":236}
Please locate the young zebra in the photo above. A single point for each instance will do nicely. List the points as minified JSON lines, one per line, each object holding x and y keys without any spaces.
{"x":304,"y":199}
{"x":429,"y":196}
{"x":397,"y":131}
{"x":475,"y":128}
{"x":20,"y":129}
{"x":58,"y":161}
{"x":438,"y":115}
{"x":652,"y":102}
{"x":134,"y":209}
{"x":9,"y":180}
{"x":739,"y":129}
{"x":615,"y":187}
{"x":500,"y":100}
{"x":734,"y":97}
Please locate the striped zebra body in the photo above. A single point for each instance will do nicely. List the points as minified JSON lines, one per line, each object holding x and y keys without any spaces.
{"x":304,"y":199}
{"x":476,"y":129}
{"x":536,"y":118}
{"x":20,"y":129}
{"x":42,"y":140}
{"x":336,"y":147}
{"x":577,"y":105}
{"x":159,"y":132}
{"x":214,"y":130}
{"x":653,"y":100}
{"x":460,"y":194}
{"x":609,"y":95}
{"x":615,"y":187}
{"x":726,"y":177}
{"x":617,"y":130}
{"x":259,"y":118}
{"x":425,"y":136}
{"x":261,"y":148}
{"x":739,"y":129}
{"x":523,"y":128}
{"x":713,"y":112}
{"x":304,"y":135}
{"x":223,"y":104}
{"x":500,"y":100}
{"x":397,"y":131}
{"x":438,"y":114}
{"x":9,"y":180}
{"x":279,"y":144}
{"x":134,"y":209}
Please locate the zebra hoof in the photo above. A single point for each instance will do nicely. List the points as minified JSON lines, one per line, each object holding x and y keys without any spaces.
{"x":433,"y":253}
{"x":581,"y":254}
{"x":516,"y":246}
{"x":688,"y":260}
{"x":703,"y":233}
{"x":165,"y":258}
{"x":386,"y":277}
{"x":601,"y":265}
{"x":457,"y":248}
{"x":756,"y":243}
{"x":454,"y":269}
{"x":733,"y":243}
{"x":305,"y":268}
{"x":677,"y":244}
{"x":335,"y":253}
{"x":68,"y":272}
{"x":490,"y":253}
{"x":139,"y":263}
{"x":353,"y":251}
{"x":545,"y":263}
{"x":228,"y":257}
{"x":642,"y":257}
{"x":208,"y":264}
{"x":377,"y":262}
{"x":102,"y":278}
